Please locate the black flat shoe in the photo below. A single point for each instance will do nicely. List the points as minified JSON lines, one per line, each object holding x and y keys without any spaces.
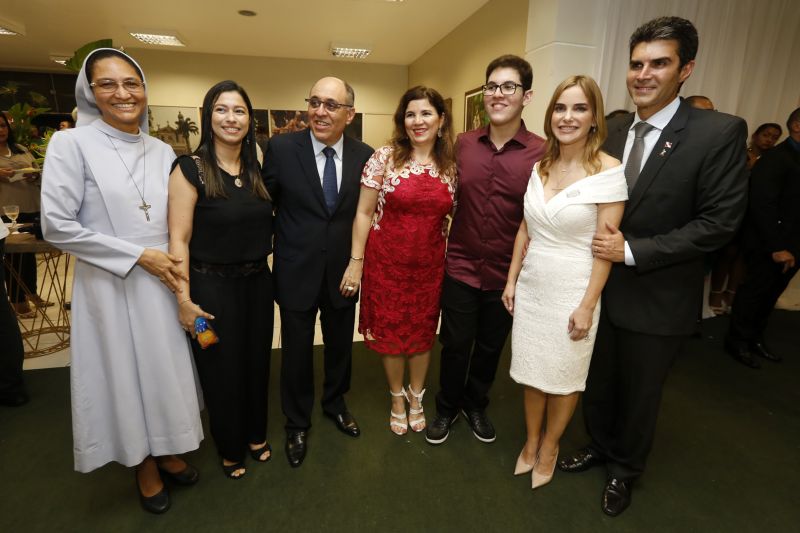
{"x":616,"y":496}
{"x":187,"y":476}
{"x":257,"y":453}
{"x":481,"y":426}
{"x":761,"y":350}
{"x":741,"y":353}
{"x":296,"y":445}
{"x":580,"y":461}
{"x":14,"y":400}
{"x":346,"y":423}
{"x":158,"y":503}
{"x":230,"y":469}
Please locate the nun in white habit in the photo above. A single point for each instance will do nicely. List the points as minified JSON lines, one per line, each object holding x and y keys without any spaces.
{"x":104,"y":200}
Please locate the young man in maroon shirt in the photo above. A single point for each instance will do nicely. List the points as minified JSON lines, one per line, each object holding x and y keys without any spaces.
{"x":494,"y":165}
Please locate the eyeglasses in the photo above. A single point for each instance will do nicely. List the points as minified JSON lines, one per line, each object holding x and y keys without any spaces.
{"x":507,"y":88}
{"x":131,"y":85}
{"x":330,"y":105}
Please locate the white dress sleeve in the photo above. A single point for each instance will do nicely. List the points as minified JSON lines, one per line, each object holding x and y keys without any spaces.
{"x":63,"y":189}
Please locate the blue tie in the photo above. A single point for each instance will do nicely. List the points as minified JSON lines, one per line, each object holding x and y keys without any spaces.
{"x":329,"y":179}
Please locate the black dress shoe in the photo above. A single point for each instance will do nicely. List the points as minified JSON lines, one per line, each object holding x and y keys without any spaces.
{"x":14,"y":400}
{"x":187,"y":476}
{"x":580,"y":461}
{"x":296,"y":447}
{"x":760,"y":349}
{"x":158,"y":503}
{"x":437,"y":431}
{"x":616,"y":496}
{"x":740,"y":352}
{"x":481,"y":426}
{"x":346,"y":423}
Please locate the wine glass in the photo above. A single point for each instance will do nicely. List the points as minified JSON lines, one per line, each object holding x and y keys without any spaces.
{"x":12,"y":212}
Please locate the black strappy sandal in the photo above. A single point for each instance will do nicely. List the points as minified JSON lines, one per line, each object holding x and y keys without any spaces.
{"x":230,"y":469}
{"x":256,"y":454}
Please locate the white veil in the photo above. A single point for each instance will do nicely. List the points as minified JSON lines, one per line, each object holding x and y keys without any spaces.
{"x":88,"y":111}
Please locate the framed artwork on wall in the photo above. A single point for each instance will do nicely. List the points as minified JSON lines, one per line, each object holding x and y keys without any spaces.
{"x":286,"y":121}
{"x":474,"y":112}
{"x":179,"y":127}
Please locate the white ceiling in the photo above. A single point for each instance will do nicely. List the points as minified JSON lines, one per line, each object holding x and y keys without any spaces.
{"x":398,"y":32}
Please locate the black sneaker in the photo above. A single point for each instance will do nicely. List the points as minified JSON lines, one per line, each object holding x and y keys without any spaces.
{"x":481,"y":426}
{"x":438,"y":430}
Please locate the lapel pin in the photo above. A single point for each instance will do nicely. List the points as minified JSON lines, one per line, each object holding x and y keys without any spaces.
{"x":667,"y":146}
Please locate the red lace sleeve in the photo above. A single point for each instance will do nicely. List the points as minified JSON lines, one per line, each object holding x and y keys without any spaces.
{"x":372,"y":176}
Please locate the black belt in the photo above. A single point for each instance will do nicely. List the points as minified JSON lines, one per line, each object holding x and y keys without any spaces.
{"x":236,"y":270}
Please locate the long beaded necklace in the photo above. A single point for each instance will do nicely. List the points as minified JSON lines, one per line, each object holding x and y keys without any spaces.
{"x":145,"y":206}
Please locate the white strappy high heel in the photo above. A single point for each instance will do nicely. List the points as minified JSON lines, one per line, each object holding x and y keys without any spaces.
{"x":398,"y":421}
{"x":420,"y":411}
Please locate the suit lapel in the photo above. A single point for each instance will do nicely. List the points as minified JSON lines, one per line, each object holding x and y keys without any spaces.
{"x":308,"y":162}
{"x":662,"y":151}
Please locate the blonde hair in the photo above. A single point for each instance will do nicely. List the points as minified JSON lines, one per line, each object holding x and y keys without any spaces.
{"x":597,"y":134}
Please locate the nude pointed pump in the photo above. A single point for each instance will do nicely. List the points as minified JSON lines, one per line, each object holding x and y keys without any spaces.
{"x":522,"y":467}
{"x":538,"y":480}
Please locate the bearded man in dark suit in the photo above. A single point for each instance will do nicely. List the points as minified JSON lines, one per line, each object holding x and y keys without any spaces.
{"x":313,"y":177}
{"x":686,"y":176}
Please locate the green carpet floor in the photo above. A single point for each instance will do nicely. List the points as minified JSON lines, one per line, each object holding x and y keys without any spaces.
{"x":725,"y":459}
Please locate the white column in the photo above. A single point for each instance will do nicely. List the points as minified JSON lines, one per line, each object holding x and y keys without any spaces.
{"x":564,"y":37}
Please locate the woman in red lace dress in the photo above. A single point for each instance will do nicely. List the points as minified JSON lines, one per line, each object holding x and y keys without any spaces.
{"x":407,"y":191}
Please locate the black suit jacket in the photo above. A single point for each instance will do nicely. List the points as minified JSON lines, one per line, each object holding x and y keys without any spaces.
{"x":774,"y":212}
{"x":689,"y":200}
{"x":311,"y":245}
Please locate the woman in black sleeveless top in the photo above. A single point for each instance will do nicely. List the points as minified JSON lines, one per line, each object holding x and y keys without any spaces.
{"x":220,"y":216}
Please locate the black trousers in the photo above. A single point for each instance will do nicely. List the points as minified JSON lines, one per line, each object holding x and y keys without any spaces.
{"x":297,"y":364}
{"x":11,"y":351}
{"x":234,"y":373}
{"x":24,"y":265}
{"x":475,"y":325}
{"x":755,"y":299}
{"x":623,"y":394}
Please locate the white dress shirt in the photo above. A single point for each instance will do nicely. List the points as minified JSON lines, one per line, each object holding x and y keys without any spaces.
{"x":320,"y":156}
{"x":659,"y":121}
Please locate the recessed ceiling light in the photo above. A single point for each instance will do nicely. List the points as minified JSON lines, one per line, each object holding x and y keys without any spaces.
{"x":158,"y":39}
{"x":6,"y":31}
{"x":349,"y":52}
{"x":247,"y":13}
{"x":61,"y":60}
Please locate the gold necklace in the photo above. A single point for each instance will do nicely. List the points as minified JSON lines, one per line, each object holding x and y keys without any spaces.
{"x":238,"y":175}
{"x":561,"y":178}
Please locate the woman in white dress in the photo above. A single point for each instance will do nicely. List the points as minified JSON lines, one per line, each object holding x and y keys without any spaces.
{"x":554,"y":283}
{"x":104,"y":200}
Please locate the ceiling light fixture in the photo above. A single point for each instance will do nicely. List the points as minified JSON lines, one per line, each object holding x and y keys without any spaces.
{"x":349,"y":52}
{"x":61,"y":60}
{"x":11,"y":28}
{"x":157,"y":39}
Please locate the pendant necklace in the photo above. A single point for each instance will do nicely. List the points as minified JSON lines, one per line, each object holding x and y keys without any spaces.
{"x":238,"y":180}
{"x":144,"y":206}
{"x":558,"y":183}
